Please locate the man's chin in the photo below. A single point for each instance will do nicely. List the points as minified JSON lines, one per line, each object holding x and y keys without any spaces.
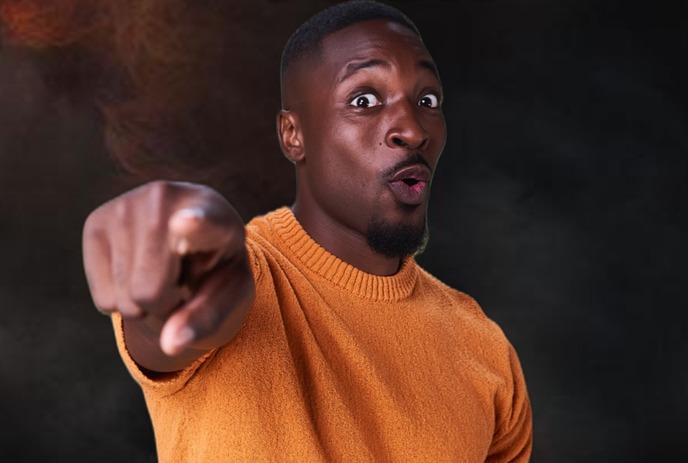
{"x":398,"y":239}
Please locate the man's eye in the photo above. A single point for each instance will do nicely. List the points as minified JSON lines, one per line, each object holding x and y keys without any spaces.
{"x":365,"y":101}
{"x":429,"y":100}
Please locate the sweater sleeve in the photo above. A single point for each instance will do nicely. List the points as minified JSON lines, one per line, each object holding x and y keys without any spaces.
{"x":159,"y":385}
{"x":513,"y":437}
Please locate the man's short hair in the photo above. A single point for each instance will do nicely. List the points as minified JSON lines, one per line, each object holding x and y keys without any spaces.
{"x":307,"y":38}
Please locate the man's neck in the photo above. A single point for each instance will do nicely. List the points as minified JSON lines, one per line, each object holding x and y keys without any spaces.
{"x":345,"y":243}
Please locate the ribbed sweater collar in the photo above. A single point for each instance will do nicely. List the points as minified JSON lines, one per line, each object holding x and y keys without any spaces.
{"x":317,"y":259}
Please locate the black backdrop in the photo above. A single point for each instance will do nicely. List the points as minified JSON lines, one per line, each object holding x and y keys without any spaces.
{"x":559,"y":204}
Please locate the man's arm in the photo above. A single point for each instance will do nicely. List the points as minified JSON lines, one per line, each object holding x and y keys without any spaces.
{"x":513,"y":437}
{"x":171,"y":259}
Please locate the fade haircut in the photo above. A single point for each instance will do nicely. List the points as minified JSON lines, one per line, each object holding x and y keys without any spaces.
{"x":307,"y":38}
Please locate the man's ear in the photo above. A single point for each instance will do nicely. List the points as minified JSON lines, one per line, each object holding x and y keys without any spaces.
{"x":290,"y":136}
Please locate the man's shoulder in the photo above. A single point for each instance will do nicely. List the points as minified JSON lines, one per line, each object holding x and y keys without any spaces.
{"x":260,"y":232}
{"x":259,"y":224}
{"x":460,"y":299}
{"x":263,"y":230}
{"x":462,"y":306}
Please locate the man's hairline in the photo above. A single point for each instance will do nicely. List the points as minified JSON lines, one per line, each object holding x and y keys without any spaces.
{"x":316,"y":51}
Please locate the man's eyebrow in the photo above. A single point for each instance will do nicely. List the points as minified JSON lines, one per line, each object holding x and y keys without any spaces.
{"x":355,"y":66}
{"x":429,"y":65}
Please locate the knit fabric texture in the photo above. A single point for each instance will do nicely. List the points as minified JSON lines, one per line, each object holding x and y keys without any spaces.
{"x":335,"y":364}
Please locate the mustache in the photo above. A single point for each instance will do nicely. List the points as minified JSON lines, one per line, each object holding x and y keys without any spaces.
{"x":413,"y":159}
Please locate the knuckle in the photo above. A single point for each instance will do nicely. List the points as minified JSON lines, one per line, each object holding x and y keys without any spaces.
{"x":121,"y":210}
{"x":143,"y":295}
{"x":94,"y":229}
{"x":91,"y":223}
{"x":159,"y":202}
{"x":159,"y":188}
{"x":105,"y":310}
{"x":129,"y":309}
{"x":95,"y":241}
{"x":104,"y":304}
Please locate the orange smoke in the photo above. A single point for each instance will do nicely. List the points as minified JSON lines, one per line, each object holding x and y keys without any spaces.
{"x":187,"y":89}
{"x":47,"y":23}
{"x":154,"y":59}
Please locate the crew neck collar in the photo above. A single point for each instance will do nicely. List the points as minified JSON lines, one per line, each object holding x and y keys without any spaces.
{"x":319,"y":260}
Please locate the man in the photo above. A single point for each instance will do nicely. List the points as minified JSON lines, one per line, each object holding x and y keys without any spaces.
{"x":311,"y":334}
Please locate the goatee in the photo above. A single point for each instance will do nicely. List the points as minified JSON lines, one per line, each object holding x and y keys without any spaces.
{"x":397,"y":239}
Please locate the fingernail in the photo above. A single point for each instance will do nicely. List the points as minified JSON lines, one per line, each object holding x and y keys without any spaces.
{"x":183,"y":246}
{"x":184,"y":336}
{"x":191,"y":213}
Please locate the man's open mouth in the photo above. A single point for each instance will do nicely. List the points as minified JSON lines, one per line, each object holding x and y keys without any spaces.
{"x":412,"y":174}
{"x":409,"y":185}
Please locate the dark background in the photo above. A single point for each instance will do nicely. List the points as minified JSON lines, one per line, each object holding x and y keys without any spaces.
{"x":559,"y":204}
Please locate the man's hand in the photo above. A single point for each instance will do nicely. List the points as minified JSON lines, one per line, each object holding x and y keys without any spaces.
{"x":170,"y":257}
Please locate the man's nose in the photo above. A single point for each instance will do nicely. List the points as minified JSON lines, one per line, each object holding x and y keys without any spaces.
{"x":405,"y":129}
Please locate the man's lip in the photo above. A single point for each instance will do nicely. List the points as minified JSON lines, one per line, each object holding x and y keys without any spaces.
{"x":417,"y":172}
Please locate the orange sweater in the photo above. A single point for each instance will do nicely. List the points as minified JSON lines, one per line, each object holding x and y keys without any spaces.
{"x":334,"y":364}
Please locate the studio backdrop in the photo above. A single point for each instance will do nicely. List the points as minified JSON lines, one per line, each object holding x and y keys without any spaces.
{"x":559,"y":201}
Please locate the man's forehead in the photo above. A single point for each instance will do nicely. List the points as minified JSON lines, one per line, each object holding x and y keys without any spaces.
{"x":382,"y":41}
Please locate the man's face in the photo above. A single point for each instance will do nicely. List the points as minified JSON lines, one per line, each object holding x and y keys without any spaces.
{"x":373,"y":131}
